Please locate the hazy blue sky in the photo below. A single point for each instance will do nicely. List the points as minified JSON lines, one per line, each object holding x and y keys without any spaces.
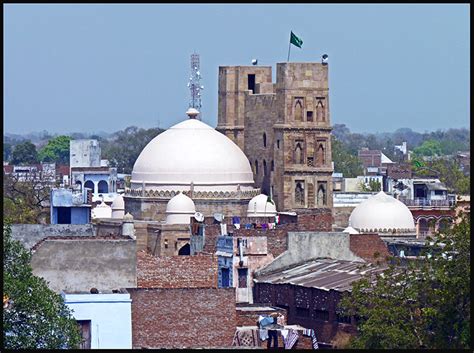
{"x":87,"y":68}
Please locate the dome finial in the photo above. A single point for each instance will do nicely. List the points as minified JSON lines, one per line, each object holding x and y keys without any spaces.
{"x":192,"y":113}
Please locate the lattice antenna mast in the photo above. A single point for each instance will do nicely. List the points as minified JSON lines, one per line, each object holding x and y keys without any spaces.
{"x":194,"y":84}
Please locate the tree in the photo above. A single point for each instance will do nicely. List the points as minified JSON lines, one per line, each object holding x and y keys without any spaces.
{"x":447,"y":170}
{"x":57,"y":150}
{"x":25,"y":153}
{"x":25,"y":201}
{"x":35,"y":316}
{"x":123,"y":155}
{"x":428,"y":148}
{"x":344,"y":160}
{"x":7,"y":151}
{"x":422,"y":304}
{"x":373,"y":186}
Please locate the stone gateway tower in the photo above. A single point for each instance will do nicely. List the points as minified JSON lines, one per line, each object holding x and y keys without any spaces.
{"x":284,"y":129}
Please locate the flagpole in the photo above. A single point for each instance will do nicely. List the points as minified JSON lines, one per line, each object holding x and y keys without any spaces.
{"x":289,"y":48}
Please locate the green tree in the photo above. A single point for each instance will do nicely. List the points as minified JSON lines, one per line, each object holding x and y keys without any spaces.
{"x":123,"y":155}
{"x":56,"y":150}
{"x":35,"y":316}
{"x":345,"y":161}
{"x":24,"y":153}
{"x":428,"y":148}
{"x":373,"y":186}
{"x":447,"y":170}
{"x":422,"y":304}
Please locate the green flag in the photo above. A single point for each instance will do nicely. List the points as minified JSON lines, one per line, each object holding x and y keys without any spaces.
{"x":417,"y":164}
{"x":295,"y":40}
{"x":269,"y":199}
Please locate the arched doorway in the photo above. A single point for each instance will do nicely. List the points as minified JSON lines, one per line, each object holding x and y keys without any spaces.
{"x":89,"y":184}
{"x":103,"y":187}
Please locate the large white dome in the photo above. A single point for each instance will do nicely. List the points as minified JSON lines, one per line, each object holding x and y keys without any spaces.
{"x":192,"y":151}
{"x":382,"y":213}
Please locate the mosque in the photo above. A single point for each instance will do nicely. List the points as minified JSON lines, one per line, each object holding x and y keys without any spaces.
{"x":271,"y":139}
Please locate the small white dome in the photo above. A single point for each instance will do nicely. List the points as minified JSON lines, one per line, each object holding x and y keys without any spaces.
{"x":350,"y":230}
{"x":192,"y":151}
{"x":260,"y":207}
{"x":118,"y":207}
{"x":382,"y":213}
{"x":118,"y":203}
{"x":102,"y":210}
{"x":179,"y":209}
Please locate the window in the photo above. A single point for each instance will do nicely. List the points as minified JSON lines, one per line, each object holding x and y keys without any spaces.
{"x":299,"y":193}
{"x":302,"y":312}
{"x":264,"y":167}
{"x":225,"y":277}
{"x":256,"y":167}
{"x":251,"y":82}
{"x":309,"y":115}
{"x":278,"y":144}
{"x":273,"y":166}
{"x":321,"y":315}
{"x":242,"y":273}
{"x":264,"y":140}
{"x":298,"y":153}
{"x":322,"y":194}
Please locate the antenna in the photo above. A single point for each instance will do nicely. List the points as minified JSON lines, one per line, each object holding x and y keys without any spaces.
{"x":194,"y":84}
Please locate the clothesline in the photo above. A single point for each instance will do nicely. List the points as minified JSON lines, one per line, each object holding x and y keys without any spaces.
{"x":248,"y":335}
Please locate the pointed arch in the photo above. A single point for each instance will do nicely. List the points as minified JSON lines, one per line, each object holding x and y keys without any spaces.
{"x":320,"y":155}
{"x":298,"y":111}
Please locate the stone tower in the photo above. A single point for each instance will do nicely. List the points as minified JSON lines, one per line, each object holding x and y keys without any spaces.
{"x":284,"y":129}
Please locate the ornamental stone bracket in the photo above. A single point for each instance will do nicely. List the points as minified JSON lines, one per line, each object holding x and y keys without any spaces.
{"x":196,"y":195}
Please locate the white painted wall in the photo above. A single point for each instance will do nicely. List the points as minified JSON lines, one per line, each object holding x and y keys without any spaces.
{"x":110,"y":315}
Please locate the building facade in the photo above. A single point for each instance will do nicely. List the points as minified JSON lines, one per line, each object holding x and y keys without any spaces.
{"x":283,"y":128}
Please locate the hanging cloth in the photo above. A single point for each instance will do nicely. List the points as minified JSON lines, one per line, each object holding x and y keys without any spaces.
{"x":223,"y":229}
{"x":291,"y":339}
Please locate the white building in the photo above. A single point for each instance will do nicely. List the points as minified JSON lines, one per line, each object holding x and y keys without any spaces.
{"x":105,"y":319}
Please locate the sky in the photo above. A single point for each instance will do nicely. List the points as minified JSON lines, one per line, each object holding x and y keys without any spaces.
{"x":104,"y":67}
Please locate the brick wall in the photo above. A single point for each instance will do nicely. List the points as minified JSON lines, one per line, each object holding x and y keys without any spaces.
{"x":368,"y":246}
{"x":197,"y":271}
{"x":183,"y":318}
{"x":248,"y":317}
{"x":277,"y":239}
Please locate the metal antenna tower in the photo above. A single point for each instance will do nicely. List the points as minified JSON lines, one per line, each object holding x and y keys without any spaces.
{"x":194,"y":84}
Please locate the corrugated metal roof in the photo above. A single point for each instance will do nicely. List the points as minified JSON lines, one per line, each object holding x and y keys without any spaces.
{"x":322,"y":273}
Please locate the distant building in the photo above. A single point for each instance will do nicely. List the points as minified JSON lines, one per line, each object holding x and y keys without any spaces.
{"x":84,"y":153}
{"x":70,"y":206}
{"x":89,"y":171}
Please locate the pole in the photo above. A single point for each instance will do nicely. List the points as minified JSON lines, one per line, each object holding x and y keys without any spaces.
{"x":289,"y":47}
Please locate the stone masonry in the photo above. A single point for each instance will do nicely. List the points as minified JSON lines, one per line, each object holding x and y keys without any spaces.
{"x":283,"y":128}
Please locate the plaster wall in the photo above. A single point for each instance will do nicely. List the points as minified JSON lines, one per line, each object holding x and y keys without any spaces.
{"x":30,"y":234}
{"x":110,"y":316}
{"x":304,"y":246}
{"x":75,"y":265}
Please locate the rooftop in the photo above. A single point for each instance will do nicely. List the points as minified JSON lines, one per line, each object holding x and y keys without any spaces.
{"x":323,"y":274}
